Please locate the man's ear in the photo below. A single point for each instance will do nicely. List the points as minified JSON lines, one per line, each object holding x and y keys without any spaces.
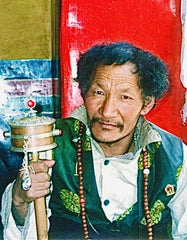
{"x":149,"y":102}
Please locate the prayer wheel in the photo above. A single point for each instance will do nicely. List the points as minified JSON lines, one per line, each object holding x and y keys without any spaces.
{"x":32,"y":135}
{"x":36,"y":132}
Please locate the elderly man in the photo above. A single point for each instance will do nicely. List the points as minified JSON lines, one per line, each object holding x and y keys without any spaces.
{"x":116,"y":175}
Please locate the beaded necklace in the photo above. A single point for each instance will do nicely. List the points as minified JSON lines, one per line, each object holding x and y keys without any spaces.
{"x":81,"y":188}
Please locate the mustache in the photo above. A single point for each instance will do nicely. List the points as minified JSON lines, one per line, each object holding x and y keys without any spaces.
{"x":103,"y":120}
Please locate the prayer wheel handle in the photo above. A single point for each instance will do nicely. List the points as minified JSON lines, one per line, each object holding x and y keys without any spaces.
{"x":40,"y":210}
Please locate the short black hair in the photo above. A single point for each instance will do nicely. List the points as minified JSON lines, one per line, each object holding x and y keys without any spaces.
{"x":151,"y":70}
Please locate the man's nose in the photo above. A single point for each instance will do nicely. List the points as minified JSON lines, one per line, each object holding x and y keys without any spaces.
{"x":108,"y":108}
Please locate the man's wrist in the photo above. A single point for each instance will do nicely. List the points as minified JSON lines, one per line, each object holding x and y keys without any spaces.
{"x":19,"y":212}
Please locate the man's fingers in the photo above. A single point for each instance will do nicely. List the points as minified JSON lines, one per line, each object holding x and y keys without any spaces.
{"x":32,"y":194}
{"x":49,"y":163}
{"x":42,"y":166}
{"x":40,"y":180}
{"x":40,"y":177}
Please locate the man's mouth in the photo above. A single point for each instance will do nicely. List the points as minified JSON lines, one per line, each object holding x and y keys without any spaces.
{"x":107,"y":124}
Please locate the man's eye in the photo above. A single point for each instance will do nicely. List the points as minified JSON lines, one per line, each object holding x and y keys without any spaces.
{"x":126,"y":97}
{"x":99,"y":92}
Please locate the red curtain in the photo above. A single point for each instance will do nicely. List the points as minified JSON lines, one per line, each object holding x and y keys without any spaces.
{"x":153,"y":25}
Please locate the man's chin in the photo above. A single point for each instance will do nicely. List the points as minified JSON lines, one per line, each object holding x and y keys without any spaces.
{"x":104,"y":140}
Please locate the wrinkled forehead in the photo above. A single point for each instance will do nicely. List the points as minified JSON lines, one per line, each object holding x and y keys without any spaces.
{"x":116,"y":74}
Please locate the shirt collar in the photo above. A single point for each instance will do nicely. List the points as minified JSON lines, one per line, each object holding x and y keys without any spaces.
{"x":80,"y":114}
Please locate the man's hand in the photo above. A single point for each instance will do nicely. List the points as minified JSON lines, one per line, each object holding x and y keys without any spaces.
{"x":40,"y":186}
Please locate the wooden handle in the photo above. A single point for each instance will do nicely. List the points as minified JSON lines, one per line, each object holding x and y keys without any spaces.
{"x":40,"y":211}
{"x":41,"y":219}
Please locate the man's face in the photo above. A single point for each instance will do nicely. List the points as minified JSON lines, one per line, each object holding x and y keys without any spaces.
{"x":114,"y":102}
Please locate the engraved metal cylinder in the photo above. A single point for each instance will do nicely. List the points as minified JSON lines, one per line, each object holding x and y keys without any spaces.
{"x":38,"y":131}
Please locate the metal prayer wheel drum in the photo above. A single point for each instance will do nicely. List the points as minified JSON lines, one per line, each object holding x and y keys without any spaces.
{"x":37,"y":133}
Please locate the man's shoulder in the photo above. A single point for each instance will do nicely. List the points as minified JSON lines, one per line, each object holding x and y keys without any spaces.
{"x":69,"y":121}
{"x":171,"y":144}
{"x":165,"y":134}
{"x":68,"y":126}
